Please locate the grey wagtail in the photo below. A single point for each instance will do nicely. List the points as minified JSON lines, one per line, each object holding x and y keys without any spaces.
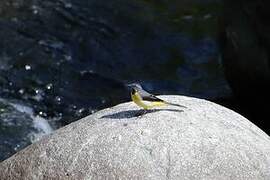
{"x":146,"y":100}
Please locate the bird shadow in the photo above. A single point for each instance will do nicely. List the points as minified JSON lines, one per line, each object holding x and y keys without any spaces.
{"x":135,"y":113}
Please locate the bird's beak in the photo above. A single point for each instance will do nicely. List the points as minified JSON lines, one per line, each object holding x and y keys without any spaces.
{"x":128,"y":87}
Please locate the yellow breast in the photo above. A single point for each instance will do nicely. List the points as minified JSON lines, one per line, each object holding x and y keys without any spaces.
{"x":136,"y":98}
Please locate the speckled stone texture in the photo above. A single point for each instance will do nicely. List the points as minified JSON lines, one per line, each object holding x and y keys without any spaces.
{"x":205,"y":141}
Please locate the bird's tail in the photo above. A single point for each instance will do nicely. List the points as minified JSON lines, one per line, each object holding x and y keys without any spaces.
{"x":173,"y":104}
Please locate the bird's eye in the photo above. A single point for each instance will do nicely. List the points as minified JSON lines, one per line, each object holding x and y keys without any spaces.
{"x":133,"y":91}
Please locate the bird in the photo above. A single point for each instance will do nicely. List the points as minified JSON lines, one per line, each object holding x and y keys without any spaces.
{"x":147,"y":100}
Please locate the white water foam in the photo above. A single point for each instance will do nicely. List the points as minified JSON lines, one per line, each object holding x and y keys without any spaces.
{"x":39,"y":123}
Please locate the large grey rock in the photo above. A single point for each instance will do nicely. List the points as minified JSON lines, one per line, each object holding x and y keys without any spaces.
{"x":205,"y":141}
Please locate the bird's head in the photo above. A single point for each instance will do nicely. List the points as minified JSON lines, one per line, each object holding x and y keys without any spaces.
{"x":134,"y":87}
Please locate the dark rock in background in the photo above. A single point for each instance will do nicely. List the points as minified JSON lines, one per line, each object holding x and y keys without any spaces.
{"x":245,"y":47}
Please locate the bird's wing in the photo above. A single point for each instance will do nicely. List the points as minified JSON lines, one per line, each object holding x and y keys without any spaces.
{"x":149,"y":97}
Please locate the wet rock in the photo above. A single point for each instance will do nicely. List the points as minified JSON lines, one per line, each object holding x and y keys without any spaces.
{"x":204,"y":141}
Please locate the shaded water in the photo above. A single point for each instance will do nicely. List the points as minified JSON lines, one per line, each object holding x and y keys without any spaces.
{"x":19,"y":127}
{"x":68,"y":59}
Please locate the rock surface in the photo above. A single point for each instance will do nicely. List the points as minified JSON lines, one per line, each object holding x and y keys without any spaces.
{"x":204,"y":141}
